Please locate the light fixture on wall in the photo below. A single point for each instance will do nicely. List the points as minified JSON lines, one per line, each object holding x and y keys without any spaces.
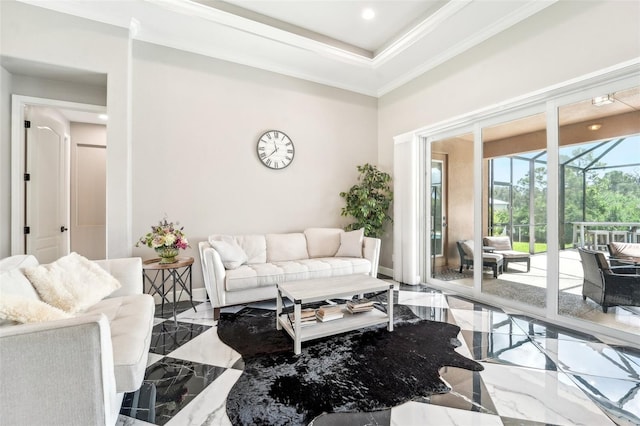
{"x":594,"y":127}
{"x":603,"y":100}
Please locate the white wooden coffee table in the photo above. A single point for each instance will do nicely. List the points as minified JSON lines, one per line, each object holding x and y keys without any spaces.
{"x":316,"y":290}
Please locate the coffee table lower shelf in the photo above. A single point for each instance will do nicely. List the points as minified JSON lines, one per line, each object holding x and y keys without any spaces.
{"x":320,"y":329}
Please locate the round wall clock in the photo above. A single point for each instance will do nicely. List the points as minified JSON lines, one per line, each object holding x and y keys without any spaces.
{"x":275,"y":149}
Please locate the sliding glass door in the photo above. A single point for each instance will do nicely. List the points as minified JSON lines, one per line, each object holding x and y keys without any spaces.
{"x":510,"y":202}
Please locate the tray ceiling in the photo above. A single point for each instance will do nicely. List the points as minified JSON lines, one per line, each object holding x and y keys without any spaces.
{"x":321,"y":41}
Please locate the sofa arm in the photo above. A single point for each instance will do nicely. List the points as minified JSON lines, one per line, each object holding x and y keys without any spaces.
{"x":372,"y":253}
{"x":128,"y":271}
{"x":58,"y":372}
{"x":213,"y":273}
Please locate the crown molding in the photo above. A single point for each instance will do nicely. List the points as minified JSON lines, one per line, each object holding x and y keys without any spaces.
{"x":420,"y":31}
{"x":194,"y":27}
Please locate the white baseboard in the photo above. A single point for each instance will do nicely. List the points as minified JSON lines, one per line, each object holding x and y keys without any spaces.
{"x":385,"y":271}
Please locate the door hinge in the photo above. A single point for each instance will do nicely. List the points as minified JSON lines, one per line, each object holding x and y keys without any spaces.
{"x":27,"y":177}
{"x":27,"y":124}
{"x":27,"y":230}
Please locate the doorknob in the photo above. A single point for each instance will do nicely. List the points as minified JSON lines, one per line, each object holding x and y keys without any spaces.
{"x":63,"y":228}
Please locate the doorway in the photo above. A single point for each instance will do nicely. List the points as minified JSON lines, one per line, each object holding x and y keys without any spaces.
{"x":40,"y":207}
{"x":438,"y":211}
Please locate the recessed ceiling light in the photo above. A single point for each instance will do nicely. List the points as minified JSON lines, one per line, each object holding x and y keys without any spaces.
{"x":368,"y":14}
{"x":602,"y":100}
{"x":594,"y":127}
{"x":104,"y":117}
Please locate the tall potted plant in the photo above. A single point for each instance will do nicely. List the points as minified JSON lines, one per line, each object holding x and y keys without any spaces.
{"x":368,"y":201}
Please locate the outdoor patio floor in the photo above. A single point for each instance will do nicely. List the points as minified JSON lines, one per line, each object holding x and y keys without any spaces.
{"x":530,"y":287}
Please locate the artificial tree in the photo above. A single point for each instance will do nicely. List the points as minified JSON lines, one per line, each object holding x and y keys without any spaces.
{"x":368,"y":201}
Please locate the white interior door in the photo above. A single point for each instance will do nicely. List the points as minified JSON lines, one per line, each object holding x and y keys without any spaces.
{"x":47,"y":195}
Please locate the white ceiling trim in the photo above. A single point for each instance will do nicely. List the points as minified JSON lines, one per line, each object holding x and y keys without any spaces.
{"x":196,"y":28}
{"x":419,"y":32}
{"x":477,"y":38}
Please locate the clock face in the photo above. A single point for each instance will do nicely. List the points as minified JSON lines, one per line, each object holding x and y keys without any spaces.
{"x":275,"y":149}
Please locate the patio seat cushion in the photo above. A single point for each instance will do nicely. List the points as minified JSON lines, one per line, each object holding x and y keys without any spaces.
{"x":491,"y":258}
{"x":627,"y":251}
{"x":498,"y":243}
{"x":467,"y":248}
{"x":512,"y":254}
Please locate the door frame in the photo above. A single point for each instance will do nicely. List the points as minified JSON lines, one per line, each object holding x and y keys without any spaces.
{"x":18,"y":200}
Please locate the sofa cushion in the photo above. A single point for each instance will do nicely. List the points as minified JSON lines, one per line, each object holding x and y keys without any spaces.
{"x":351,"y":244}
{"x":71,"y":283}
{"x":283,"y":247}
{"x":25,"y":310}
{"x":130,"y":320}
{"x":262,"y":275}
{"x":498,"y":243}
{"x":230,"y":252}
{"x":322,"y":242}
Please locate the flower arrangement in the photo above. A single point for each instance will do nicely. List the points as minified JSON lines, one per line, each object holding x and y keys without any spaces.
{"x":166,"y":239}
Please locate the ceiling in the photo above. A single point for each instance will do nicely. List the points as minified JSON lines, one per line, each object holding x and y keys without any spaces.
{"x":326,"y":42}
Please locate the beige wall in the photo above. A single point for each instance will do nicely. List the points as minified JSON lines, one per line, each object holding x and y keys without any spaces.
{"x":196,"y":122}
{"x":551,"y":47}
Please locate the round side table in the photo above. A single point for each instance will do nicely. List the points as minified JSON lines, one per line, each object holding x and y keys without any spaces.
{"x":165,"y":277}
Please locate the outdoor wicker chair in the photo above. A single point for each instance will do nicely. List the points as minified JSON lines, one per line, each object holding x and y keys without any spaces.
{"x":607,"y":285}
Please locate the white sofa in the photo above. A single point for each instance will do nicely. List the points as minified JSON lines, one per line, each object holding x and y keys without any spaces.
{"x":74,"y":371}
{"x":233,"y":276}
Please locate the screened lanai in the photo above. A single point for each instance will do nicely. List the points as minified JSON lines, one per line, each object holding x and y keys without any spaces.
{"x":599,"y":191}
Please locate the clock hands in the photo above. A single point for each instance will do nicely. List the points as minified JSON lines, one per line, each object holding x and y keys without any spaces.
{"x":274,"y":151}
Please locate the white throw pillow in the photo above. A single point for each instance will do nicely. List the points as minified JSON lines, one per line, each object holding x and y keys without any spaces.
{"x":72,"y":283}
{"x":351,"y":244}
{"x":24,"y":310}
{"x":230,"y":252}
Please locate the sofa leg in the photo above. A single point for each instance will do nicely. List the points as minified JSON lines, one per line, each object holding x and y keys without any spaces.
{"x":605,"y":309}
{"x":216,"y":314}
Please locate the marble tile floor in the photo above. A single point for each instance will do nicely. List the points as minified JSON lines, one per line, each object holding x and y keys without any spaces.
{"x":534,"y":373}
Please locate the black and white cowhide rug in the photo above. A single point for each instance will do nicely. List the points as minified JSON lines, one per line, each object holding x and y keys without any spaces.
{"x":364,"y":370}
